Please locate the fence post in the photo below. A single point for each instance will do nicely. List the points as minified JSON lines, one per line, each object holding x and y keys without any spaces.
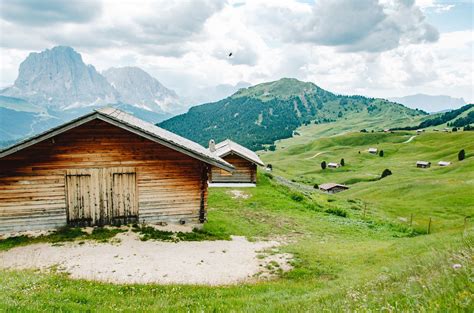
{"x":429,"y":226}
{"x":411,"y":219}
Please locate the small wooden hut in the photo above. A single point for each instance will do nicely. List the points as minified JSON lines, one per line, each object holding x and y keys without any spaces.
{"x":332,"y":187}
{"x":245,"y":162}
{"x":423,"y":164}
{"x":106,"y":167}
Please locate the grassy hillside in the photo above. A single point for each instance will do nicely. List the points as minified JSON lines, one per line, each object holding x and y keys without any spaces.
{"x":353,"y":251}
{"x":442,"y":193}
{"x":259,"y":115}
{"x":360,"y":262}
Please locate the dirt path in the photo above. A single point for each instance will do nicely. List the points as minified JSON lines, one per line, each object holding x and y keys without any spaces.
{"x":317,"y":154}
{"x":130,"y":260}
{"x":409,"y":139}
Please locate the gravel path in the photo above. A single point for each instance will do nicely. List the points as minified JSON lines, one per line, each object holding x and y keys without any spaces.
{"x":130,"y":260}
{"x":409,"y":139}
{"x":317,"y":154}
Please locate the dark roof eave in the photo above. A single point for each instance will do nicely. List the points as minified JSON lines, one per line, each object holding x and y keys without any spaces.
{"x":93,"y":115}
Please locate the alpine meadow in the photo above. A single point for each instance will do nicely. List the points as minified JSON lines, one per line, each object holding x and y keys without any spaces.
{"x":236,"y":156}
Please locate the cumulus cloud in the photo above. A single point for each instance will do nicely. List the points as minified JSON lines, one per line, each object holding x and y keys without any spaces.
{"x":46,"y":12}
{"x":366,"y":25}
{"x":369,"y":47}
{"x":178,"y":20}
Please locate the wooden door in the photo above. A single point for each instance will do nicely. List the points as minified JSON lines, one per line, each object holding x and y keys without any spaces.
{"x":97,"y":197}
{"x":124,"y":197}
{"x":79,"y":198}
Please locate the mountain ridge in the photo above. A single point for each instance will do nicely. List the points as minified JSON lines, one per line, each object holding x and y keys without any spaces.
{"x":430,"y":103}
{"x":55,"y":85}
{"x":257,"y":116}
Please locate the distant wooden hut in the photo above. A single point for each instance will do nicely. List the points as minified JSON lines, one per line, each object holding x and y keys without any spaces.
{"x":373,"y":150}
{"x":106,"y":167}
{"x":332,"y":187}
{"x":334,"y":165}
{"x":423,"y":164}
{"x":444,"y":163}
{"x":245,"y":163}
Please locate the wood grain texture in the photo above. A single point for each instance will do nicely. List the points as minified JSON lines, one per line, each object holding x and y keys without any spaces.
{"x":245,"y":171}
{"x":34,"y":181}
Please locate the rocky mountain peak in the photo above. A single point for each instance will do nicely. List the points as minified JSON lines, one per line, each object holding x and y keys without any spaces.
{"x":59,"y":79}
{"x":137,"y":87}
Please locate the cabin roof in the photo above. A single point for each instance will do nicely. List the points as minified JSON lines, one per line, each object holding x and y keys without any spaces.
{"x":328,"y":186}
{"x":228,"y":146}
{"x":423,"y":162}
{"x":132,"y":124}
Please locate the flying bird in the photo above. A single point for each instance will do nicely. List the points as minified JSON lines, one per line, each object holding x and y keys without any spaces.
{"x":230,"y":54}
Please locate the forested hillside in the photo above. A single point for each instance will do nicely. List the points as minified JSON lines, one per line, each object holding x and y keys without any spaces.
{"x":442,"y":118}
{"x":260,"y":115}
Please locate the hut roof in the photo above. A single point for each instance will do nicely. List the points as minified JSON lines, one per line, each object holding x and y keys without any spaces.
{"x":131,"y":124}
{"x":333,"y":164}
{"x":423,"y":162}
{"x":228,"y":146}
{"x":444,"y":163}
{"x":329,"y":186}
{"x":373,"y":150}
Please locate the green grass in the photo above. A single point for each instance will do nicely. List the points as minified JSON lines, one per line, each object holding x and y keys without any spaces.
{"x":151,"y":233}
{"x":64,"y":234}
{"x":353,"y":263}
{"x":373,"y":259}
{"x":442,"y":193}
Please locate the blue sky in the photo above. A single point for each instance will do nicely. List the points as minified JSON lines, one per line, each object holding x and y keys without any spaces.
{"x":457,"y":18}
{"x":382,"y":48}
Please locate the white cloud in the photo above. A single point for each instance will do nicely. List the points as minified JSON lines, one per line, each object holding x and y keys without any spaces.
{"x":381,"y":48}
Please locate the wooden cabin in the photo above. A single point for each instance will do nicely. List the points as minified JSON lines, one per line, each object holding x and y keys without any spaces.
{"x":423,"y":164}
{"x":444,"y":163}
{"x":106,"y":167}
{"x":332,"y":187}
{"x":245,"y":162}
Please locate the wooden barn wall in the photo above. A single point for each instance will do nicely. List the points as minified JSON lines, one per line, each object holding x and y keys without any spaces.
{"x":171,"y":185}
{"x":245,"y":171}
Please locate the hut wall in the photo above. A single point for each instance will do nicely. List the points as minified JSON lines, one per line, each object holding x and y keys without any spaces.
{"x":104,"y":161}
{"x":245,"y":171}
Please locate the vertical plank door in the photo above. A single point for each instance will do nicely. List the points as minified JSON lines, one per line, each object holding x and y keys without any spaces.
{"x":79,"y":198}
{"x":124,"y":197}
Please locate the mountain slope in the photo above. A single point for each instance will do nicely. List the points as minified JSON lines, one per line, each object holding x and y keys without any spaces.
{"x":430,"y":103}
{"x":137,"y":87}
{"x":443,"y":119}
{"x":259,"y":115}
{"x":57,"y":78}
{"x":55,"y":86}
